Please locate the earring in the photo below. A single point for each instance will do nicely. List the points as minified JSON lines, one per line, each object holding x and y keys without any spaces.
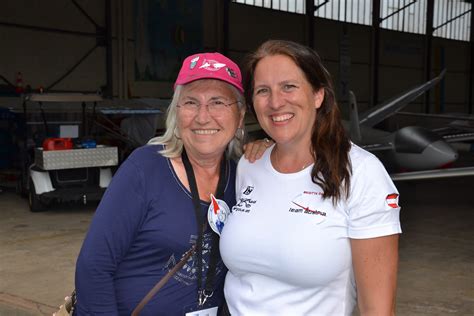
{"x":240,"y":133}
{"x":176,"y":133}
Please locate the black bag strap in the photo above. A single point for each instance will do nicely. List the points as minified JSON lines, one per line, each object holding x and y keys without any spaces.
{"x":162,"y":282}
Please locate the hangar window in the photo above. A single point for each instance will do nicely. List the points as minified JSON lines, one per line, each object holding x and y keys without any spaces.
{"x":451,"y":18}
{"x":405,"y":15}
{"x":358,"y":12}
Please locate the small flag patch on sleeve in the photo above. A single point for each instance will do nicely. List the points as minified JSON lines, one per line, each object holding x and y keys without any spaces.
{"x":392,"y":200}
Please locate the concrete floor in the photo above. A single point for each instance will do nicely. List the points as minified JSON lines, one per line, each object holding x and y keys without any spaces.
{"x":436,"y":274}
{"x":37,"y":254}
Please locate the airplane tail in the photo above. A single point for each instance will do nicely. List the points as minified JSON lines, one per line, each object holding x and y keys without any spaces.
{"x":390,"y":107}
{"x":355,"y":133}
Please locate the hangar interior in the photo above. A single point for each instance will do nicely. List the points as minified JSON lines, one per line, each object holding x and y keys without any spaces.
{"x":127,"y":53}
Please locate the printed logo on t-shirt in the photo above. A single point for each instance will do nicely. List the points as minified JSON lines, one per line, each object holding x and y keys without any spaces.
{"x":244,"y":202}
{"x":243,"y":205}
{"x":307,"y":203}
{"x":248,"y":190}
{"x":312,"y":193}
{"x":392,"y":200}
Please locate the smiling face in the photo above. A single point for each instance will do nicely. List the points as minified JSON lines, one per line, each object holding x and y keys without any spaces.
{"x":205,"y":135}
{"x":284,"y":101}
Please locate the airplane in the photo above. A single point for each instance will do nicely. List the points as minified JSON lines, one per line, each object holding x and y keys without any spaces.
{"x":418,"y":152}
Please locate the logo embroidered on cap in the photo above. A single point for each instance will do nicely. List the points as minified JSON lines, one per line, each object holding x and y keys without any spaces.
{"x":211,"y":65}
{"x":193,"y":62}
{"x":392,"y":200}
{"x":231,"y":72}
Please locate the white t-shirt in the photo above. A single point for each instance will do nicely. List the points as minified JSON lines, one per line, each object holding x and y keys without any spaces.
{"x":288,"y":250}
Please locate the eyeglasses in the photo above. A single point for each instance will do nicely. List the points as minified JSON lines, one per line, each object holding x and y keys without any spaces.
{"x":215,"y":107}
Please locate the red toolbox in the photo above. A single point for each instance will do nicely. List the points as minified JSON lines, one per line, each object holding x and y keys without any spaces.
{"x":57,"y":144}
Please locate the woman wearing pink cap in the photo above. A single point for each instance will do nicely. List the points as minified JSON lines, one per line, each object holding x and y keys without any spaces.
{"x":168,"y":197}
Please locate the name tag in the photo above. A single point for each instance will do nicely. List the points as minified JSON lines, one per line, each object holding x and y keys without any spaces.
{"x":203,"y":312}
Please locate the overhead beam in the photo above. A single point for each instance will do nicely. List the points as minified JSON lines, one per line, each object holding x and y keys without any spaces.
{"x":320,"y":5}
{"x":85,"y":14}
{"x":451,"y":20}
{"x":47,"y":29}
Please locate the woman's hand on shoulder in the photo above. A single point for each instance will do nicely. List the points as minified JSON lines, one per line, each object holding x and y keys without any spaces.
{"x":255,"y":149}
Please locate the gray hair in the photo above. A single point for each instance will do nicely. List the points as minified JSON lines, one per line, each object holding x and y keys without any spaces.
{"x":173,"y":143}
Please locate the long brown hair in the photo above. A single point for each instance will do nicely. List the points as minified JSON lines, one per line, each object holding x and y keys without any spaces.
{"x":330,"y":144}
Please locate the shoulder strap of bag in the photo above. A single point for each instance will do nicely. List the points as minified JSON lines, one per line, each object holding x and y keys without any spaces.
{"x":162,"y":282}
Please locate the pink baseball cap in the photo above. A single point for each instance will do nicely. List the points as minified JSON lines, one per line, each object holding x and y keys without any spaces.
{"x":209,"y":66}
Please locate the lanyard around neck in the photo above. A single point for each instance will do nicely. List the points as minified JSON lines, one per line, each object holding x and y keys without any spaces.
{"x":207,"y":290}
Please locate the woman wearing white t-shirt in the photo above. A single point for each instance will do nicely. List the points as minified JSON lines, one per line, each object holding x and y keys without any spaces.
{"x":315,"y":228}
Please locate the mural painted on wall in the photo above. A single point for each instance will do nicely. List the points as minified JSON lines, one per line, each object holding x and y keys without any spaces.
{"x":166,"y":31}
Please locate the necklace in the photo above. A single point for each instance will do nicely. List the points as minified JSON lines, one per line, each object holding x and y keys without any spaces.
{"x":278,"y":167}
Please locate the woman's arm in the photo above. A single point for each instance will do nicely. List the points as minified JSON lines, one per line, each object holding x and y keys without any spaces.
{"x":375,"y":262}
{"x":110,"y":235}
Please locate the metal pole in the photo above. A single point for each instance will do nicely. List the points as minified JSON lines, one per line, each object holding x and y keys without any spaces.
{"x":309,"y":23}
{"x":124,"y":48}
{"x":84,"y":121}
{"x":119,"y":22}
{"x":108,"y":92}
{"x":225,"y":28}
{"x":472,"y":64}
{"x":375,"y":51}
{"x":221,"y":24}
{"x":428,"y":44}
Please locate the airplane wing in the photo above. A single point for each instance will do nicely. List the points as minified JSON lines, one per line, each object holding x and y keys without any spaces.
{"x":460,"y":124}
{"x":377,"y":147}
{"x":460,"y":137}
{"x":447,"y":116}
{"x":459,"y":129}
{"x":433,"y":174}
{"x":390,"y":107}
{"x":455,"y":133}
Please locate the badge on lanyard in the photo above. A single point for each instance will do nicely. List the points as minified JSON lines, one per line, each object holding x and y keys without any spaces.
{"x":203,"y":312}
{"x":217,"y":214}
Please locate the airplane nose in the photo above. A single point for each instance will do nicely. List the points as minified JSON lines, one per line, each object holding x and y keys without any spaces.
{"x":443,"y":153}
{"x":417,"y":148}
